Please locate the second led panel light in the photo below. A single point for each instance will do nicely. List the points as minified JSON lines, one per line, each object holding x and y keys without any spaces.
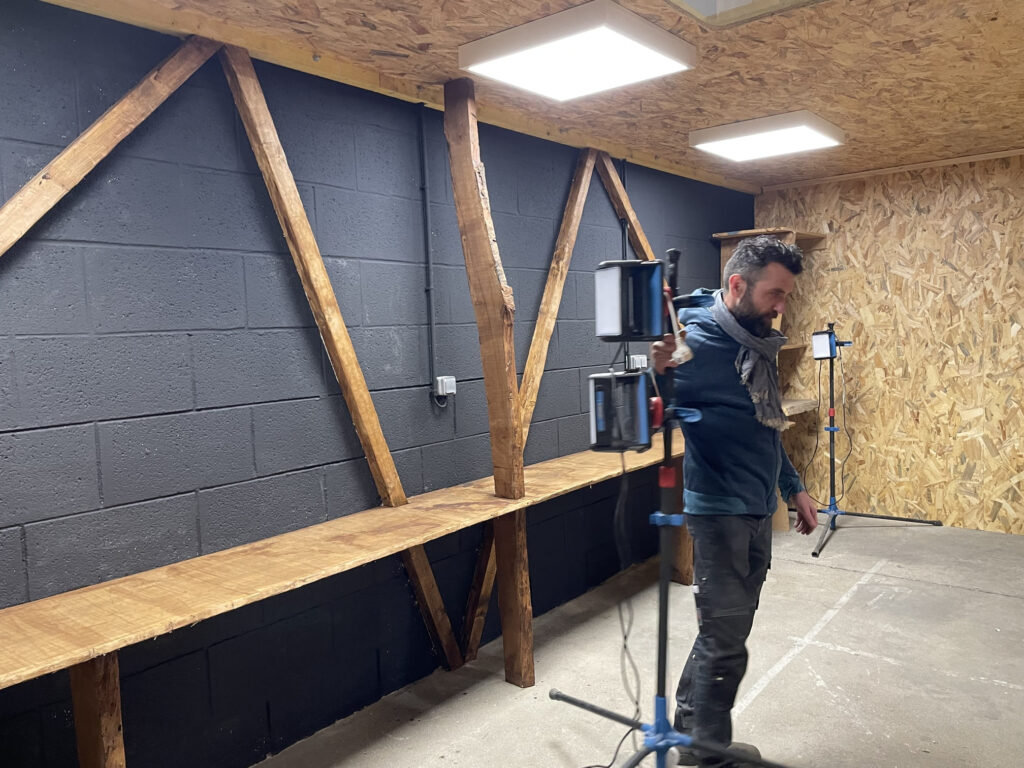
{"x":768,"y":136}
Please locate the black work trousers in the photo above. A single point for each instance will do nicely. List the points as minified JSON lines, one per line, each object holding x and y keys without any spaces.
{"x":731,"y":557}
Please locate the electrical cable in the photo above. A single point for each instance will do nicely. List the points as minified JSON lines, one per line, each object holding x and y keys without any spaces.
{"x":817,"y":432}
{"x":627,"y":663}
{"x":849,"y":437}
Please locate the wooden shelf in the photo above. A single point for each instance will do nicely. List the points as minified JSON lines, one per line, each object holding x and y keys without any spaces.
{"x":740,"y":234}
{"x":792,"y":406}
{"x":793,"y":346}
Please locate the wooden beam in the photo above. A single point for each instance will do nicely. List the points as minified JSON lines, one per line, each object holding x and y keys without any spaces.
{"x":548,"y":313}
{"x":514,"y":603}
{"x":492,"y":297}
{"x":266,"y":144}
{"x":421,"y":576}
{"x":66,"y":170}
{"x":96,"y":702}
{"x":620,"y":201}
{"x":479,"y":600}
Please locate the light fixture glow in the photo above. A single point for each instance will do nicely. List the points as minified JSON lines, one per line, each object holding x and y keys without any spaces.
{"x":584,"y":50}
{"x":772,"y":136}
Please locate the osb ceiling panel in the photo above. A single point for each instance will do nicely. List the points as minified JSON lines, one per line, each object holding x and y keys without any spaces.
{"x":909,"y":81}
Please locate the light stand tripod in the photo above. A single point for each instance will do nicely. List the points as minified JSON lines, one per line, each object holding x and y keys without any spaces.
{"x":824,"y":345}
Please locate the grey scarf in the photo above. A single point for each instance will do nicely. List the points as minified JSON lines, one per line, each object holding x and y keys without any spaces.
{"x":756,"y":364}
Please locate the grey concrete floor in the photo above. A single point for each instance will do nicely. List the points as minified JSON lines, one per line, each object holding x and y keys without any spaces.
{"x":901,"y":647}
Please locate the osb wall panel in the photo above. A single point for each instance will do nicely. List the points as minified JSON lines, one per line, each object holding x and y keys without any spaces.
{"x":924,"y":272}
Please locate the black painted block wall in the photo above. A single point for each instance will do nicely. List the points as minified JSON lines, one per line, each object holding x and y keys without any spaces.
{"x":164,"y":393}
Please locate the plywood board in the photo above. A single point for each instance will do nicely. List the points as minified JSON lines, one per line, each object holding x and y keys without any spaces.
{"x":908,"y":82}
{"x":923,"y":271}
{"x":57,"y":632}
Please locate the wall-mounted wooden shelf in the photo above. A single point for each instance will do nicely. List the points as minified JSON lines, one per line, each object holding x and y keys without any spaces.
{"x":793,"y":406}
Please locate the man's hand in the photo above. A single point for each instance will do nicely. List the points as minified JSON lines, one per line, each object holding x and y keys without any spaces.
{"x":806,"y":512}
{"x":661,"y":353}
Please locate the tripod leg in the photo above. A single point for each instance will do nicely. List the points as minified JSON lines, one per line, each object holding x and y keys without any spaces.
{"x":891,"y":517}
{"x":824,"y":534}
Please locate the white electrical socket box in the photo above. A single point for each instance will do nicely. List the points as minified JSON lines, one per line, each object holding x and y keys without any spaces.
{"x":444,"y":386}
{"x":637,"y":363}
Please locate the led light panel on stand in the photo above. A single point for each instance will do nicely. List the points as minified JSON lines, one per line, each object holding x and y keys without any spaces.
{"x":628,"y":300}
{"x":619,"y":415}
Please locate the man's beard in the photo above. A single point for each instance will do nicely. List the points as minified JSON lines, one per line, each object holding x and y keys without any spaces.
{"x":748,"y":317}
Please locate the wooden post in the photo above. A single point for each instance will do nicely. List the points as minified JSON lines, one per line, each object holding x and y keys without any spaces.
{"x":266,"y":144}
{"x":479,"y":599}
{"x":620,"y":201}
{"x":492,"y":297}
{"x":96,"y":702}
{"x":548,"y":313}
{"x":514,"y":603}
{"x":66,"y":170}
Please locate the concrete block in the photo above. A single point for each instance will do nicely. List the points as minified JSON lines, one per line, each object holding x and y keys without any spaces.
{"x":573,"y":434}
{"x":255,"y":366}
{"x":549,"y":575}
{"x":439,"y":176}
{"x":559,"y":395}
{"x":163,"y":455}
{"x":585,"y":306}
{"x":368,"y":226}
{"x":240,"y":672}
{"x":37,"y":102}
{"x":10,"y":413}
{"x":275,"y":298}
{"x":567,"y":307}
{"x":77,"y":378}
{"x":124,"y":200}
{"x":231,"y":210}
{"x":47,"y":473}
{"x":158,"y":290}
{"x":501,"y":161}
{"x":348,"y":488}
{"x":409,"y":418}
{"x":457,"y":351}
{"x":578,"y":346}
{"x":195,"y":126}
{"x":394,"y":294}
{"x":542,"y":442}
{"x":524,"y":332}
{"x":390,"y":356}
{"x":456,"y":461}
{"x":470,"y":404}
{"x":303,"y":433}
{"x":113,"y":63}
{"x":318,"y":140}
{"x":596,"y":244}
{"x":543,"y":178}
{"x":452,"y":301}
{"x":525,"y":241}
{"x":76,"y":551}
{"x":527,"y":290}
{"x":598,"y":210}
{"x":42,"y":289}
{"x":20,"y":161}
{"x":387,"y":162}
{"x":257,"y":509}
{"x":445,"y":239}
{"x":409,"y":464}
{"x":13,"y":573}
